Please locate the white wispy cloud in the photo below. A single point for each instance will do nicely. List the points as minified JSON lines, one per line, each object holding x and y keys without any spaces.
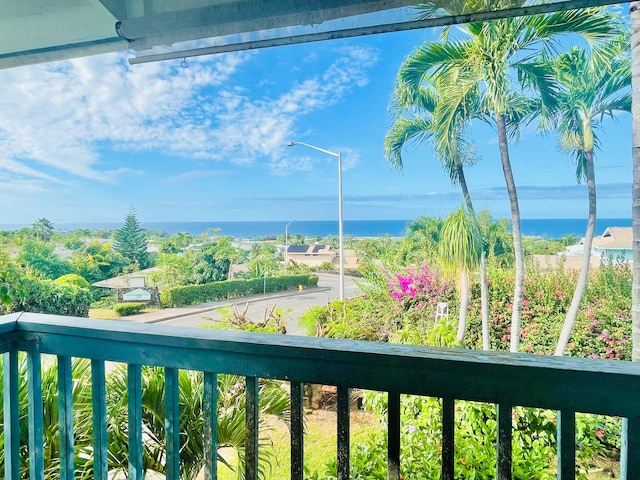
{"x":197,"y":174}
{"x":57,"y":119}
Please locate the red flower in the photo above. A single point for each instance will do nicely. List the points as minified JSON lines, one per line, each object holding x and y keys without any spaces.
{"x":600,"y":433}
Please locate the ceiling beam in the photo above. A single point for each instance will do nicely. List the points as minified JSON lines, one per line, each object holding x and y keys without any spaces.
{"x":376,"y":29}
{"x":234,"y":17}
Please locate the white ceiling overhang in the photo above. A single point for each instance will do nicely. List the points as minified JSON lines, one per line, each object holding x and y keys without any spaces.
{"x":34,"y":31}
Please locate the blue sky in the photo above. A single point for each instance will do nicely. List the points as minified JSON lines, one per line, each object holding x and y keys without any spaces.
{"x":82,"y":140}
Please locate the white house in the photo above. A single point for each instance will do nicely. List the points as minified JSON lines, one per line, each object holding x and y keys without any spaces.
{"x":614,"y":244}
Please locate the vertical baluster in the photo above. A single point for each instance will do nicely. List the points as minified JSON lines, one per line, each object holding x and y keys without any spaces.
{"x":393,"y":451}
{"x":251,"y":447}
{"x":65,"y":418}
{"x":343,"y":433}
{"x":566,"y":428}
{"x":629,"y":457}
{"x":99,"y":406}
{"x":297,"y":431}
{"x":134,"y":391}
{"x":36,"y":416}
{"x":210,"y":426}
{"x":448,"y":437}
{"x":172,"y":423}
{"x":504,"y":441}
{"x":11,"y":415}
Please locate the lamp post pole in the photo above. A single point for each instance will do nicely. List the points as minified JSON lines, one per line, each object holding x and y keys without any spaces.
{"x":286,"y":246}
{"x":340,"y":230}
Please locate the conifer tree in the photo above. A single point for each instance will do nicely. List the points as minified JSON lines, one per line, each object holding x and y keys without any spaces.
{"x":130,"y":241}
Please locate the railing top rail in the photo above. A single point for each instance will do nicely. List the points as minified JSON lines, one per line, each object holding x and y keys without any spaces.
{"x":588,"y":385}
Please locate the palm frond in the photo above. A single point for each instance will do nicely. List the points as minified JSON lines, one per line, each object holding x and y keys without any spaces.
{"x":402,"y":131}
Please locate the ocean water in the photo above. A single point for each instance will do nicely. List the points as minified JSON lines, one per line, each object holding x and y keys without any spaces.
{"x":549,"y":228}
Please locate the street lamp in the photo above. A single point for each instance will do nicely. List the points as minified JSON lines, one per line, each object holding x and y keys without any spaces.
{"x":340,"y":233}
{"x":286,"y":245}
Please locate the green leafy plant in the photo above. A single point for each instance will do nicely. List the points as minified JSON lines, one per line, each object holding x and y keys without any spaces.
{"x":128,"y":308}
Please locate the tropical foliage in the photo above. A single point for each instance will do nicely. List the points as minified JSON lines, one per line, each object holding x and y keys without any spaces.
{"x":273,"y":399}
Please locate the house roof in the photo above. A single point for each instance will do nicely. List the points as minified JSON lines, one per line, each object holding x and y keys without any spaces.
{"x":615,"y":238}
{"x":122,"y":281}
{"x":310,"y":249}
{"x":34,"y":31}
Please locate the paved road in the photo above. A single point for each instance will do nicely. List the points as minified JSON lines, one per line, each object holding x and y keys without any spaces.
{"x":296,"y":302}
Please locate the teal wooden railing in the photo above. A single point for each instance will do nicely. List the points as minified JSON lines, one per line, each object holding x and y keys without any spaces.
{"x":568,"y":385}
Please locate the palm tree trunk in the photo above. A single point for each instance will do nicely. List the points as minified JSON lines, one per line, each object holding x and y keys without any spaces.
{"x":518,"y":289}
{"x":464,"y":304}
{"x":581,"y":286}
{"x":634,"y":11}
{"x":484,"y":291}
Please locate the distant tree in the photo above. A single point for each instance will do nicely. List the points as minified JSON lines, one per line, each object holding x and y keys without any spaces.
{"x":131,"y":242}
{"x":42,"y":229}
{"x":39,"y":260}
{"x":176,"y":243}
{"x":96,"y":261}
{"x":262,"y":261}
{"x":209,"y":266}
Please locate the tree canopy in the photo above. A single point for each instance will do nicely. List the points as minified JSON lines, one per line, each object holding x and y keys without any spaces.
{"x":131,"y":242}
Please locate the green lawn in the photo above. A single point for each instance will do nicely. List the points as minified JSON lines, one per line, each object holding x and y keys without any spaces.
{"x":320,"y":442}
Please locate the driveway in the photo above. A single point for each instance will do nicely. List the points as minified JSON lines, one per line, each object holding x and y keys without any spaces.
{"x":293,"y":302}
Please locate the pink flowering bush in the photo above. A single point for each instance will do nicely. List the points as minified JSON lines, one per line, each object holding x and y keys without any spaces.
{"x":418,"y":287}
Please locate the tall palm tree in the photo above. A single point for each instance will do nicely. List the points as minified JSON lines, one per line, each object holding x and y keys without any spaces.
{"x":459,"y":254}
{"x":413,"y":109}
{"x":42,"y":229}
{"x":591,"y":86}
{"x":480,"y":65}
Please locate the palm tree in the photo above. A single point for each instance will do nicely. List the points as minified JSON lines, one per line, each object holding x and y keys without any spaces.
{"x":413,"y":110}
{"x":42,"y":229}
{"x":480,"y":67}
{"x":591,"y":86}
{"x":460,"y":248}
{"x":634,"y":12}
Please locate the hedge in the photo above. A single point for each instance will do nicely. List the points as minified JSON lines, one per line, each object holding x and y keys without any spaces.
{"x":208,"y":292}
{"x":47,"y":296}
{"x":128,"y":308}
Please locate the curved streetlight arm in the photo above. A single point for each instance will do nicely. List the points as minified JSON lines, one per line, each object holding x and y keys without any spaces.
{"x":291,"y":144}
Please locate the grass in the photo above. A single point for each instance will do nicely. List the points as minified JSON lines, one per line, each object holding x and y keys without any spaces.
{"x":319,"y":443}
{"x":103,"y":313}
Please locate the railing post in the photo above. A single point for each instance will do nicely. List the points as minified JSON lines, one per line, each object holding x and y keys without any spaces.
{"x":344,"y":421}
{"x":448,"y":438}
{"x":629,"y":457}
{"x":99,"y":407}
{"x":297,"y":431}
{"x":172,"y":423}
{"x":65,"y":418}
{"x":251,"y":446}
{"x":36,"y":416}
{"x":393,"y":422}
{"x":210,"y":409}
{"x":134,"y":390}
{"x":566,"y":428}
{"x":11,"y":415}
{"x":504,"y":441}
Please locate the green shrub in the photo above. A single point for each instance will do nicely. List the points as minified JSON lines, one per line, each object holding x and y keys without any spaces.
{"x":72,"y":279}
{"x":128,"y":308}
{"x":47,"y":296}
{"x":192,"y":294}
